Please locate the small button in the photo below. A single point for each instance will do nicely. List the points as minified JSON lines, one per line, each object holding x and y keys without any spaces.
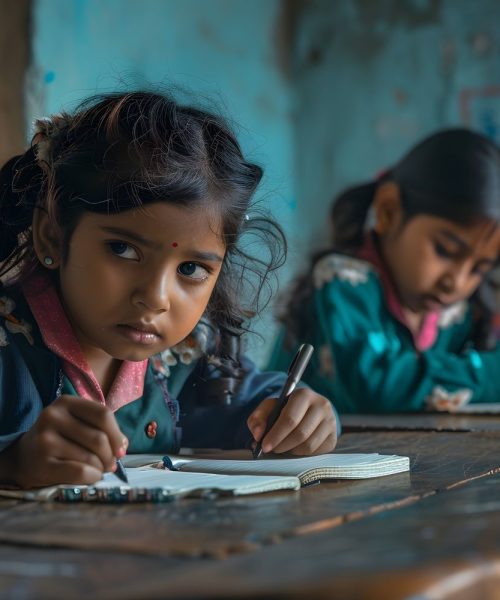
{"x":151,"y":429}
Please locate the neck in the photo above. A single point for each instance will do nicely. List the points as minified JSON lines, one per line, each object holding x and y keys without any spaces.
{"x":413,"y":320}
{"x":105,"y":371}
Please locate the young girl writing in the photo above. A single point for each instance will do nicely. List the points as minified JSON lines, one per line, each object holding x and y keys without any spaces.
{"x":119,"y":234}
{"x":389,"y":307}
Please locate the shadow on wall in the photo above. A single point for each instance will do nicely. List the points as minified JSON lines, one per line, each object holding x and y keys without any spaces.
{"x":15,"y":18}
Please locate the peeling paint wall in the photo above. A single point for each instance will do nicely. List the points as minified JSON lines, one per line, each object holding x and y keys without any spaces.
{"x":372,"y":77}
{"x":14,"y":57}
{"x":326,"y":92}
{"x":220,"y":49}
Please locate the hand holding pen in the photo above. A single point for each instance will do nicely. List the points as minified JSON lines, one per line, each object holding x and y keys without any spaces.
{"x":295,"y":372}
{"x":73,"y":440}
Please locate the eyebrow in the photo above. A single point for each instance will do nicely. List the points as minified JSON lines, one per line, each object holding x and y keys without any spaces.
{"x":455,"y":238}
{"x":131,"y":235}
{"x":464,"y":246}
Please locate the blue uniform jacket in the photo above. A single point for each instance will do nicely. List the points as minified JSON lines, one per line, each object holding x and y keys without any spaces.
{"x":170,"y":412}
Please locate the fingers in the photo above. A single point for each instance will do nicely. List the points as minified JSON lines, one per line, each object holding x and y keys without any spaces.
{"x":320,"y":441}
{"x":306,"y":425}
{"x":55,"y":447}
{"x":70,"y":472}
{"x":257,"y":421}
{"x":102,"y":419}
{"x":77,"y":432}
{"x":53,"y":460}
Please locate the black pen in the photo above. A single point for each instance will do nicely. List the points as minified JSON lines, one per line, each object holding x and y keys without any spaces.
{"x":120,"y":471}
{"x":295,"y":371}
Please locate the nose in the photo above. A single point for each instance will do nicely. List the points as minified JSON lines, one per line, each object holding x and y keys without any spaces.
{"x":153,"y":292}
{"x":456,"y":279}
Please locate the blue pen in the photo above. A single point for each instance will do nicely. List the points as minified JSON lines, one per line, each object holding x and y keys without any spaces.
{"x":295,"y":372}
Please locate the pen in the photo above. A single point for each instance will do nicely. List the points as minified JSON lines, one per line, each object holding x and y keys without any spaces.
{"x":295,"y":371}
{"x":120,"y":471}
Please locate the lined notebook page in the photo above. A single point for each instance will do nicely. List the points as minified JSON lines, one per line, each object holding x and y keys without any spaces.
{"x":178,"y":482}
{"x":311,"y":468}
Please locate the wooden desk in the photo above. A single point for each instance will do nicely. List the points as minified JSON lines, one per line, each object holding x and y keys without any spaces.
{"x":421,"y":421}
{"x":435,"y":529}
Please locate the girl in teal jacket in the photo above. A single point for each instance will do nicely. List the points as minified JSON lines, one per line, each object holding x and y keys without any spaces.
{"x":400,"y":309}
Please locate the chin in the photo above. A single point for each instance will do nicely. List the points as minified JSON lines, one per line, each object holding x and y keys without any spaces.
{"x":133,"y":354}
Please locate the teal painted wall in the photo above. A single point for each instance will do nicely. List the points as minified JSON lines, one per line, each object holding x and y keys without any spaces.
{"x":372,"y":77}
{"x":326,"y":92}
{"x":226,"y":50}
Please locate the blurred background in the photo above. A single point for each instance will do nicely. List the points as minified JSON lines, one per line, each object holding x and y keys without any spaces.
{"x":323,"y":93}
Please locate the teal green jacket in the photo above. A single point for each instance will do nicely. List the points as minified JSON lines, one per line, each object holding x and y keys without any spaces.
{"x":366,"y":360}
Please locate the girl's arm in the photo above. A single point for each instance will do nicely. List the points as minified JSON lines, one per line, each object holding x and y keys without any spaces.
{"x":369,"y":363}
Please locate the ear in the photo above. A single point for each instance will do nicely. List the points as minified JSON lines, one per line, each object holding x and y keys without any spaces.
{"x":46,"y":240}
{"x":387,"y":208}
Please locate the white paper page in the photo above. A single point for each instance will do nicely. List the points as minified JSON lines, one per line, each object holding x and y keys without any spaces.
{"x":340,"y":464}
{"x":182,"y":482}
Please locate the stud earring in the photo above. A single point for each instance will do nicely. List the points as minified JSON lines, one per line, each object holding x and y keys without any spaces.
{"x":48,"y":261}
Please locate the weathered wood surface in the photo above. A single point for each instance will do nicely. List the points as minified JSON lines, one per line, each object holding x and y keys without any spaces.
{"x":446,"y":546}
{"x":320,"y":537}
{"x":421,"y":422}
{"x":203,"y":528}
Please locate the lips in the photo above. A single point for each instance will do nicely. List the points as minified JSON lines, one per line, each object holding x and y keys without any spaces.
{"x":435,"y":302}
{"x":143,"y":327}
{"x":144,"y":334}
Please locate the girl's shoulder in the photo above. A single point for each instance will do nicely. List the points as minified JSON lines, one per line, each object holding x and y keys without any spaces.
{"x":343,"y":269}
{"x":14,"y":316}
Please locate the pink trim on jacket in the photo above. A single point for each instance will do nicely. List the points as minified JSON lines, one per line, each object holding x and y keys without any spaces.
{"x":58,"y":335}
{"x":427,"y":335}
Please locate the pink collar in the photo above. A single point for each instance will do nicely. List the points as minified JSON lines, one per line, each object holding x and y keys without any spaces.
{"x":58,"y":335}
{"x":428,"y":332}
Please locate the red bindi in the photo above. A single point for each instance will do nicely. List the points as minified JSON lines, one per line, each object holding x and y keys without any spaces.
{"x":174,"y":244}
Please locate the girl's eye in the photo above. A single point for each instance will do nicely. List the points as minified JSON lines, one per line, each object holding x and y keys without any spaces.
{"x":442,"y":250}
{"x":123,"y":250}
{"x":193,"y":271}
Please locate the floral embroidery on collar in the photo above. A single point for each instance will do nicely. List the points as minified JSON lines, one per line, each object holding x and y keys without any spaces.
{"x":452,"y":314}
{"x":12,"y":323}
{"x":345,"y":268}
{"x":187,"y":351}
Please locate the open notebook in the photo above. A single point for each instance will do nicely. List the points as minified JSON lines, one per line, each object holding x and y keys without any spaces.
{"x":223,"y":473}
{"x":150,"y":484}
{"x":310,"y":469}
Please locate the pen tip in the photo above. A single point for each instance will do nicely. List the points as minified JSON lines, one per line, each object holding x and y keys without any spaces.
{"x":120,"y":472}
{"x":257,"y":452}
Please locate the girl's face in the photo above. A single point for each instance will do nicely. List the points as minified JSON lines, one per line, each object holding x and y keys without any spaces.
{"x":435,"y":262}
{"x":138,"y":282}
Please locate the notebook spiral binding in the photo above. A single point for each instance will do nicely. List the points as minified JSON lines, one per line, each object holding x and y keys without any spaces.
{"x":117,"y":495}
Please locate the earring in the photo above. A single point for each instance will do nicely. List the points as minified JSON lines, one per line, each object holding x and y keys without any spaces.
{"x":48,"y":261}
